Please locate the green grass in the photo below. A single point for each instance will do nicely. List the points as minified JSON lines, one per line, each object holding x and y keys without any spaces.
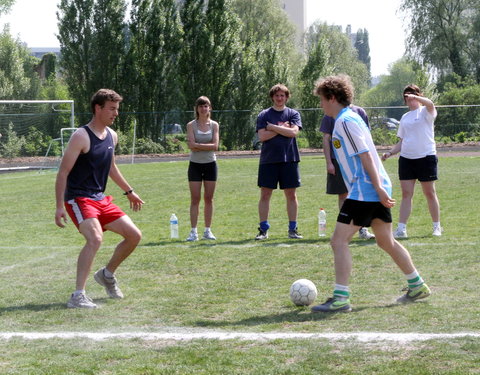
{"x":236,"y":284}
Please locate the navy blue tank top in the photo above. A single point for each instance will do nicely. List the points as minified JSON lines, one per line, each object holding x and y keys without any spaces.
{"x":88,"y":177}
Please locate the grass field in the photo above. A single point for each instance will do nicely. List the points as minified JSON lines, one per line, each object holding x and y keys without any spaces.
{"x":236,"y":285}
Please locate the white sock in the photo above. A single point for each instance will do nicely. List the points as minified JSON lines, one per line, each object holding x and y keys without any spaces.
{"x":402,"y":226}
{"x":77,"y":292}
{"x":107,"y":273}
{"x":194,"y":230}
{"x":436,"y":224}
{"x":207,"y":229}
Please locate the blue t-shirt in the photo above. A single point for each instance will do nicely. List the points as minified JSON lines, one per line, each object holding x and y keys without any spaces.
{"x":351,"y":138}
{"x":279,"y":149}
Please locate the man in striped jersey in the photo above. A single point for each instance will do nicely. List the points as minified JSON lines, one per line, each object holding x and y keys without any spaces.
{"x":369,"y":199}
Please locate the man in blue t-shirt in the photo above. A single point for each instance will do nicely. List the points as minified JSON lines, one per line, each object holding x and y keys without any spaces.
{"x":277,"y":128}
{"x":335,"y":183}
{"x":369,"y":196}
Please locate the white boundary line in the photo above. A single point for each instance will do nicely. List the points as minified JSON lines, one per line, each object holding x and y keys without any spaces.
{"x":244,"y":336}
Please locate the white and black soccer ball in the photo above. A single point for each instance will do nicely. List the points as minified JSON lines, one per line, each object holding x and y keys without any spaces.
{"x":303,"y":292}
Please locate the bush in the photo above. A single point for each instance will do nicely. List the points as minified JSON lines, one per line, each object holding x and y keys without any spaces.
{"x":147,"y":146}
{"x":384,"y":137}
{"x":13,"y":145}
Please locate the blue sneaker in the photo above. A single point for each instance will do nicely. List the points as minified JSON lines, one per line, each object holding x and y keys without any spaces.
{"x":333,"y":305}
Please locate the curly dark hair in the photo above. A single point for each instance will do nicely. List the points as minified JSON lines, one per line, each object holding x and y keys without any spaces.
{"x":339,"y":87}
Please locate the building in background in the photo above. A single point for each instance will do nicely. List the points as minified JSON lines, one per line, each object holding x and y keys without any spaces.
{"x":297,"y":12}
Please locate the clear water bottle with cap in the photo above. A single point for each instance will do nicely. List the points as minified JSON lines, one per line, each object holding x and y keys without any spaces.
{"x":173,"y":226}
{"x":322,"y":223}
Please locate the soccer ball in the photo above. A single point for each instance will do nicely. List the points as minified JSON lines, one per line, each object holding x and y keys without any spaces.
{"x":303,"y":292}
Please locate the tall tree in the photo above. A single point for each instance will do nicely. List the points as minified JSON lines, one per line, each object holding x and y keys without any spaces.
{"x":5,"y":6}
{"x":438,"y":32}
{"x":363,"y":48}
{"x":209,"y":52}
{"x":75,"y":34}
{"x":343,"y":57}
{"x":17,"y":76}
{"x":152,"y":60}
{"x":92,"y":45}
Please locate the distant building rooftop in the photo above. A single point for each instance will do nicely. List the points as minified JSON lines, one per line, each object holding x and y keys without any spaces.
{"x":40,"y":51}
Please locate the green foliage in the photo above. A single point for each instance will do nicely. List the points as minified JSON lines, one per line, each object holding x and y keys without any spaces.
{"x":36,"y":143}
{"x":444,"y":34}
{"x":343,"y":58}
{"x":17,"y":76}
{"x":5,"y":6}
{"x":147,"y":146}
{"x":383,"y":136}
{"x":11,"y":145}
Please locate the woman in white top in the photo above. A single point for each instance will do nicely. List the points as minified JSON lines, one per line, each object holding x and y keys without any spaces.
{"x":203,"y":139}
{"x":418,"y":157}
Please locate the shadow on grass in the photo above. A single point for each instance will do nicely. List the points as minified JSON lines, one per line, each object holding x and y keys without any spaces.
{"x":295,"y":316}
{"x":43,"y":307}
{"x":248,"y":241}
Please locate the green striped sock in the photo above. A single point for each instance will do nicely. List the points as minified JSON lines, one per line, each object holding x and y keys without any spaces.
{"x":341,"y":292}
{"x":414,"y":280}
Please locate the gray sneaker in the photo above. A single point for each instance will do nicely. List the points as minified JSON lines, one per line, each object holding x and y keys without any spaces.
{"x":294,"y":234}
{"x":110,"y":284}
{"x":80,"y":301}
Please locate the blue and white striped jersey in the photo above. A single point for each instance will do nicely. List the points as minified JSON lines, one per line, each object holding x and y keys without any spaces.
{"x":350,"y":138}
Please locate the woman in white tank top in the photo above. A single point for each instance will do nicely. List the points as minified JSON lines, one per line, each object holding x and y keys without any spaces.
{"x":203,"y":140}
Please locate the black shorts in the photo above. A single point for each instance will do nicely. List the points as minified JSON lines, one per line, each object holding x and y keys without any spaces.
{"x":335,"y":182}
{"x":423,"y":169}
{"x":286,"y":175}
{"x":202,"y":171}
{"x":362,"y":213}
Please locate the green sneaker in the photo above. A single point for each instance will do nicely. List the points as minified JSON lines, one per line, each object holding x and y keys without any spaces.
{"x":333,"y":305}
{"x":414,"y":294}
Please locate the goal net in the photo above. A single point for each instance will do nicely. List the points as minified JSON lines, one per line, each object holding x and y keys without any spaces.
{"x":34,"y":132}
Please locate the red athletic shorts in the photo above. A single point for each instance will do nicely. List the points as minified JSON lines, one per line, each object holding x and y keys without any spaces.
{"x":80,"y":209}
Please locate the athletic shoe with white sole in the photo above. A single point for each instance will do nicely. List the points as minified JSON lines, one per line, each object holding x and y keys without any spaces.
{"x":294,"y":234}
{"x":364,"y":234}
{"x":414,"y":294}
{"x":80,"y":301}
{"x":110,"y":283}
{"x":400,"y":234}
{"x":262,"y":235}
{"x":208,"y":235}
{"x":437,"y":231}
{"x":193,"y":236}
{"x":333,"y":305}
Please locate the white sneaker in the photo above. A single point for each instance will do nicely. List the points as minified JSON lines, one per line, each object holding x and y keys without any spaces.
{"x":437,"y":231}
{"x":80,"y":301}
{"x":193,"y":236}
{"x":208,"y":235}
{"x":400,"y":233}
{"x":364,"y":234}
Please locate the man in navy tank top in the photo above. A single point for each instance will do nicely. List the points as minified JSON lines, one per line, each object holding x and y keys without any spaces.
{"x":87,"y":163}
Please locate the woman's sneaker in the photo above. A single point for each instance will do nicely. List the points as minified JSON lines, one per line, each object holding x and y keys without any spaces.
{"x":193,"y":236}
{"x":400,"y":233}
{"x":364,"y":234}
{"x":80,"y":301}
{"x":208,"y":235}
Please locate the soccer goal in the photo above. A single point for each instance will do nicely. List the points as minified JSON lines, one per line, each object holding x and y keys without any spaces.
{"x":30,"y":129}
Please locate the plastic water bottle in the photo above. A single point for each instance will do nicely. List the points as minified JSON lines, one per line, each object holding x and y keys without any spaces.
{"x":173,"y":226}
{"x":322,"y":222}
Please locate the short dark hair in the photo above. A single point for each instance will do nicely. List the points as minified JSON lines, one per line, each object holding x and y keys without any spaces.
{"x":339,"y":87}
{"x":102,"y":96}
{"x":279,"y":87}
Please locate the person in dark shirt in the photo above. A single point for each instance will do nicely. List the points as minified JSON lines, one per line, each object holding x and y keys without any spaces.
{"x":87,"y":163}
{"x":277,"y":128}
